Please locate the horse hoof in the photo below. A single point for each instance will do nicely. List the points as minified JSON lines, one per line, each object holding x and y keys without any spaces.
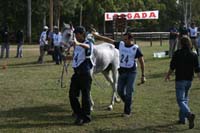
{"x":110,"y":108}
{"x":91,"y":108}
{"x":117,"y":100}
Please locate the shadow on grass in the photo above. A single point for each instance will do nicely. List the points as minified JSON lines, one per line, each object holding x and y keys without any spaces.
{"x":29,"y":64}
{"x":36,"y":117}
{"x":157,"y":75}
{"x":152,"y":59}
{"x":171,"y":127}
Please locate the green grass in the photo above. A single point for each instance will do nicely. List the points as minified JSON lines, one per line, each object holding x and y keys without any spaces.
{"x":32,"y":101}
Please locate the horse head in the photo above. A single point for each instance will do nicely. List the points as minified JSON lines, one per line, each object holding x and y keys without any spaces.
{"x":67,"y":35}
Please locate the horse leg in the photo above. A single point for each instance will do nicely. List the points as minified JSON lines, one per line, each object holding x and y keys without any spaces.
{"x":115,"y":76}
{"x":113,"y":83}
{"x":91,"y":103}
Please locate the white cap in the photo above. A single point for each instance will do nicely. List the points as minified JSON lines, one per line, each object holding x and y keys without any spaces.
{"x":46,"y":27}
{"x":55,"y":27}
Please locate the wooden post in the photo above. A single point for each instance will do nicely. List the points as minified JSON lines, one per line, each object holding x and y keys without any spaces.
{"x":51,"y":15}
{"x":29,"y":22}
{"x":151,"y":39}
{"x":160,"y":39}
{"x":81,"y":14}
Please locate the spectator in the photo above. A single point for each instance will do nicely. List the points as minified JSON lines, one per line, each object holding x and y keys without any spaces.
{"x":57,"y":46}
{"x":182,"y":31}
{"x":20,"y":42}
{"x":173,"y":39}
{"x":185,"y":63}
{"x":50,"y":44}
{"x":193,"y":36}
{"x":43,"y":41}
{"x":5,"y":41}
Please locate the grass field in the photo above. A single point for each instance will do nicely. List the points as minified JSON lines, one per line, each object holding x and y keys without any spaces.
{"x":32,"y":101}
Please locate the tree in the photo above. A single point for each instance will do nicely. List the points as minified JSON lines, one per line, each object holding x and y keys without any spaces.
{"x":29,"y":21}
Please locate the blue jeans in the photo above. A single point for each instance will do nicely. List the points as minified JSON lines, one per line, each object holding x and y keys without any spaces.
{"x":58,"y":54}
{"x":3,"y":47}
{"x":19,"y":49}
{"x":182,"y":89}
{"x":126,"y":88}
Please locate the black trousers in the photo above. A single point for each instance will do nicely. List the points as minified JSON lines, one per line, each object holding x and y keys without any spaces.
{"x":81,"y":84}
{"x":57,"y":54}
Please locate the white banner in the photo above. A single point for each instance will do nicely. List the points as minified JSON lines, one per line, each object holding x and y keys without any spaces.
{"x":133,"y":15}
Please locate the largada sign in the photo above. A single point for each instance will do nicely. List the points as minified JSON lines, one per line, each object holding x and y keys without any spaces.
{"x":132,"y":15}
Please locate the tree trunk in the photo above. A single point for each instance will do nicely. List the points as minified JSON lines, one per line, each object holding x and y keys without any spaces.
{"x":51,"y":15}
{"x":81,"y":10}
{"x":44,"y":19}
{"x":29,"y":21}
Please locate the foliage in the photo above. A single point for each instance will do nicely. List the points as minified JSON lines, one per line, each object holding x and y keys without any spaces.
{"x":15,"y":13}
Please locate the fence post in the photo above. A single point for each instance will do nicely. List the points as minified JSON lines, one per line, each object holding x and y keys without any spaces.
{"x":160,"y":39}
{"x":151,"y":39}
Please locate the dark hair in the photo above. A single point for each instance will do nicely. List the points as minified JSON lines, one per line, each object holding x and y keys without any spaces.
{"x":130,"y":36}
{"x":80,"y":29}
{"x":186,"y":42}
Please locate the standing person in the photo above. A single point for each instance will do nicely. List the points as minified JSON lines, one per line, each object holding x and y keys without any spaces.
{"x":129,"y":53}
{"x":81,"y":79}
{"x":43,"y":41}
{"x":173,"y":39}
{"x":20,"y":42}
{"x":57,"y":46}
{"x":193,"y":36}
{"x":182,"y":31}
{"x":50,"y":44}
{"x":185,"y":63}
{"x":5,"y":41}
{"x":198,"y":45}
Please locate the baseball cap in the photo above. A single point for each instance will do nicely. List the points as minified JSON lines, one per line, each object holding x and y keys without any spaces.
{"x":79,"y":29}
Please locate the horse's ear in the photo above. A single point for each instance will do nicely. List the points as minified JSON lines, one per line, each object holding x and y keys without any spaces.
{"x":67,"y":26}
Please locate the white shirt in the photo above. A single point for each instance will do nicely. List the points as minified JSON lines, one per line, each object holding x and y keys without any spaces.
{"x":193,"y":31}
{"x":57,"y":39}
{"x":80,"y":55}
{"x":43,"y":38}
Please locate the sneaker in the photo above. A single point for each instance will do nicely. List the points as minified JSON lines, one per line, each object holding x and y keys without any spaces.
{"x":126,"y":115}
{"x":180,"y":122}
{"x":79,"y":122}
{"x":86,"y":121}
{"x":191,"y":118}
{"x":74,"y":115}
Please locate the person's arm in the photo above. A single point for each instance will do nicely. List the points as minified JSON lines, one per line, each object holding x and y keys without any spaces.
{"x":172,"y":67}
{"x":142,"y":66}
{"x":196,"y":66}
{"x":103,"y":38}
{"x":167,"y":77}
{"x":84,"y":45}
{"x":43,"y":38}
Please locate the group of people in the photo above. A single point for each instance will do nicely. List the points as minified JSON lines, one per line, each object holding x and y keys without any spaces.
{"x":81,"y":79}
{"x":177,"y":33}
{"x":5,"y":42}
{"x":50,"y":41}
{"x":184,"y":62}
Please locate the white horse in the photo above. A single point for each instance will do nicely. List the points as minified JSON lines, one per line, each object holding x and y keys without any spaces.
{"x":106,"y":60}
